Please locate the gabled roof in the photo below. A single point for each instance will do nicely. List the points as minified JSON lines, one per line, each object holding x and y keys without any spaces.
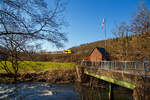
{"x":101,"y":50}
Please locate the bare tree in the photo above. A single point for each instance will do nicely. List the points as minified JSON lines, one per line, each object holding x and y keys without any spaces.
{"x":25,"y":21}
{"x":140,"y":26}
{"x":122,"y":33}
{"x":33,"y":19}
{"x":138,"y":30}
{"x":14,"y":45}
{"x":140,"y":23}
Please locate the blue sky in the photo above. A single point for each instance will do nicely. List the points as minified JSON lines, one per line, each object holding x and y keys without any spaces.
{"x":85,"y":19}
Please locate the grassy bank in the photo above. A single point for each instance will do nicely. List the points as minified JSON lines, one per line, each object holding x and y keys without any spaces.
{"x":51,"y":72}
{"x":30,"y":66}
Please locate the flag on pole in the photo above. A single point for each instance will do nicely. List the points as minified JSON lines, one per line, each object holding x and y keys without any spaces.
{"x":103,"y":24}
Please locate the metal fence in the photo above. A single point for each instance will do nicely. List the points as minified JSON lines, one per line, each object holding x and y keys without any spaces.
{"x":130,"y":67}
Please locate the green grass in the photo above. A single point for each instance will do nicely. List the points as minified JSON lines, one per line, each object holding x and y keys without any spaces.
{"x":30,"y":66}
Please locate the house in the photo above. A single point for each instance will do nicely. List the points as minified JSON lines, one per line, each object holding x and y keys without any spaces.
{"x":97,"y":54}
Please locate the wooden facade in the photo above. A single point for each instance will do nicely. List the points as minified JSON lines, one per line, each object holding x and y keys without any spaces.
{"x":97,"y":54}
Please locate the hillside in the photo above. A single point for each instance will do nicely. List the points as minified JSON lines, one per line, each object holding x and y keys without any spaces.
{"x":126,"y":48}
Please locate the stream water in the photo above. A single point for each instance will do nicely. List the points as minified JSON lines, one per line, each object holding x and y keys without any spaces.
{"x":45,"y":91}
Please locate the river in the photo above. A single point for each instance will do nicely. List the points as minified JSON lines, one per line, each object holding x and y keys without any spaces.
{"x":45,"y":91}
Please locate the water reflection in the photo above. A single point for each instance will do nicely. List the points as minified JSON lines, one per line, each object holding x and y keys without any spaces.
{"x":86,"y":93}
{"x":43,"y":91}
{"x":118,"y":93}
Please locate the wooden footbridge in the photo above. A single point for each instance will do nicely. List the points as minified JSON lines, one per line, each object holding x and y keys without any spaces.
{"x":129,"y":74}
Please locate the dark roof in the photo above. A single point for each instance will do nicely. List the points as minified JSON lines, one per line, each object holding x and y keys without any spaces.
{"x":104,"y":53}
{"x":101,"y":50}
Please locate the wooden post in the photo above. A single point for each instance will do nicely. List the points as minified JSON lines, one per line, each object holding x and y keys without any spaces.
{"x":144,"y":70}
{"x":91,"y":80}
{"x":79,"y":71}
{"x":78,"y":74}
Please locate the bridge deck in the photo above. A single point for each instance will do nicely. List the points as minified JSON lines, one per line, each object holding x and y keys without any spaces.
{"x":119,"y":73}
{"x":128,"y":67}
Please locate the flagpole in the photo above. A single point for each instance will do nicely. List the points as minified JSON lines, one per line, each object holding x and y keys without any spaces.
{"x":104,"y":25}
{"x":105,"y":41}
{"x":105,"y":36}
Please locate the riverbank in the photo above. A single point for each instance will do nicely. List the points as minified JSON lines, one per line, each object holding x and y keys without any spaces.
{"x":50,"y":72}
{"x":60,"y":75}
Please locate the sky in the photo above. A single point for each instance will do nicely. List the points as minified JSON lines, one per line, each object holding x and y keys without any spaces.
{"x":85,"y":18}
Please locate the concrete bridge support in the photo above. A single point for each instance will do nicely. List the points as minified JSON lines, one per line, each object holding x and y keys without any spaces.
{"x":110,"y":92}
{"x":138,"y":94}
{"x":139,"y":84}
{"x":141,"y":93}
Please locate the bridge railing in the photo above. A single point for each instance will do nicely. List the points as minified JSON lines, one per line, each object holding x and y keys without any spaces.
{"x":131,"y":67}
